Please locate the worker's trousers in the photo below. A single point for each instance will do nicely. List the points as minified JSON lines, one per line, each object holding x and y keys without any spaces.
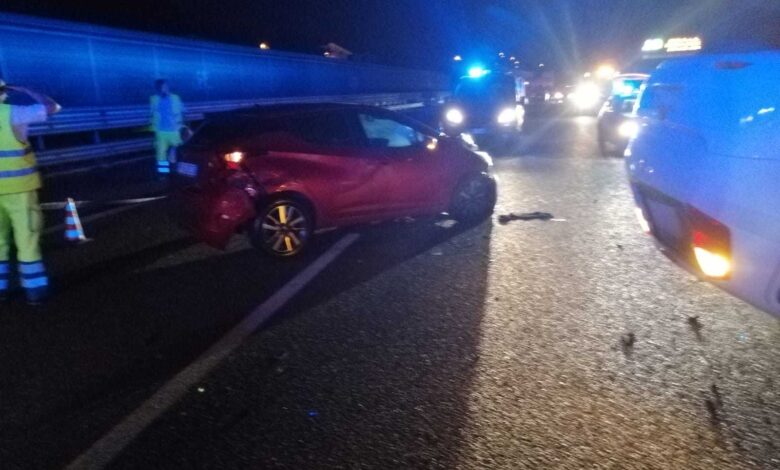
{"x":165,"y":144}
{"x":20,"y":225}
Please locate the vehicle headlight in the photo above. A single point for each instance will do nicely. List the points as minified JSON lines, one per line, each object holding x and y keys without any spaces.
{"x":628,"y":129}
{"x":558,"y":95}
{"x":507,"y":116}
{"x":454,"y":116}
{"x":587,"y":95}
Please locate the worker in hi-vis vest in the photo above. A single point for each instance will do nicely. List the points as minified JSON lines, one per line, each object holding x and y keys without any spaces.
{"x":167,"y":121}
{"x":20,"y":213}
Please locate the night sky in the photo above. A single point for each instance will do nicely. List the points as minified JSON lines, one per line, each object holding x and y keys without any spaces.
{"x":427,"y":33}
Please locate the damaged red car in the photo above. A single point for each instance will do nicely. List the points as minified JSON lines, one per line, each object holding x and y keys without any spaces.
{"x":282,"y":173}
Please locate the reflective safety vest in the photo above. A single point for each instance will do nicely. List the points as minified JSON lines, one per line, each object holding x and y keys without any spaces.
{"x":18,"y":170}
{"x":176,"y":108}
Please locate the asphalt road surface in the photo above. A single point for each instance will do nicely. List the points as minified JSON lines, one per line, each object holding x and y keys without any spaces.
{"x":569,"y":343}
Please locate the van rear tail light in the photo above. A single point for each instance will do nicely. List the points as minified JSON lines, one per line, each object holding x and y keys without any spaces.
{"x":711,"y":245}
{"x":714,"y":265}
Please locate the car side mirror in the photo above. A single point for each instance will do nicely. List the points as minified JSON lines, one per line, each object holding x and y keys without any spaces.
{"x":185,"y":133}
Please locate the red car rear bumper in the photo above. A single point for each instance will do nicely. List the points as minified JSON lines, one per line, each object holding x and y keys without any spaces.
{"x":213,"y":216}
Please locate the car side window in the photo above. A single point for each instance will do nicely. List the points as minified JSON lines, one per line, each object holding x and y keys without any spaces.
{"x":385,"y":132}
{"x":329,"y":129}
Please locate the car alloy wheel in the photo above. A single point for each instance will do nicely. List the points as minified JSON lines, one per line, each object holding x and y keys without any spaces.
{"x":474,"y":199}
{"x":282,"y":229}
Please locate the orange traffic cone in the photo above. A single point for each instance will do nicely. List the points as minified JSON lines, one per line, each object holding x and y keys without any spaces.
{"x":74,"y":232}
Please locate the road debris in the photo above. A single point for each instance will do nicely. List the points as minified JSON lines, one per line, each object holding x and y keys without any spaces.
{"x":696,"y":326}
{"x":628,"y":340}
{"x":714,"y":404}
{"x":506,"y":218}
{"x":717,"y":395}
{"x":695,"y":323}
{"x":714,"y":410}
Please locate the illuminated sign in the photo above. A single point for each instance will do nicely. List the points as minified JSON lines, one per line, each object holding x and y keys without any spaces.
{"x":689,"y":44}
{"x":683,"y":44}
{"x":653,"y":45}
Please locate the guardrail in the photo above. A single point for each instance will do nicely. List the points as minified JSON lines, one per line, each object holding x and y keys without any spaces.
{"x":95,"y":120}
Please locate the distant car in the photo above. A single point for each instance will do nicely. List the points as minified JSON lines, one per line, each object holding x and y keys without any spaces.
{"x":486,"y":104}
{"x":559,"y":94}
{"x":616,"y":125}
{"x":283,"y":173}
{"x":705,"y":169}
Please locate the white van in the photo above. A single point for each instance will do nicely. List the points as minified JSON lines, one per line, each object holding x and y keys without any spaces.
{"x":705,"y":169}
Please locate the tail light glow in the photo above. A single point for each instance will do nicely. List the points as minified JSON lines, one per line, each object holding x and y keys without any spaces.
{"x":711,"y":244}
{"x":234,"y":159}
{"x":712,"y":264}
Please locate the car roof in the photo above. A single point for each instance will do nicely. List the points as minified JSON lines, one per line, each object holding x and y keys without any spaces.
{"x":287,"y":109}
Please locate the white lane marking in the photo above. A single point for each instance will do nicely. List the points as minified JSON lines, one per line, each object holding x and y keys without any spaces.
{"x":109,"y":446}
{"x":90,"y":218}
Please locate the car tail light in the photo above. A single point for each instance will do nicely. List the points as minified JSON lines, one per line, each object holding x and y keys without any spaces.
{"x":712,"y":264}
{"x":234,"y":159}
{"x":711,"y":244}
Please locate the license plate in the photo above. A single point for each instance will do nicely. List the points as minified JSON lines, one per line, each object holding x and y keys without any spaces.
{"x":187,"y":169}
{"x":666,"y":222}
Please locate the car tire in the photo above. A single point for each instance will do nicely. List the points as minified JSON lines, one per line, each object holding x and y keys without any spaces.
{"x":474,"y":199}
{"x":283,"y":228}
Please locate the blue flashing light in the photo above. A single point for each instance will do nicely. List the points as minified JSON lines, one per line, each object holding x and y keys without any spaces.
{"x":478,"y":72}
